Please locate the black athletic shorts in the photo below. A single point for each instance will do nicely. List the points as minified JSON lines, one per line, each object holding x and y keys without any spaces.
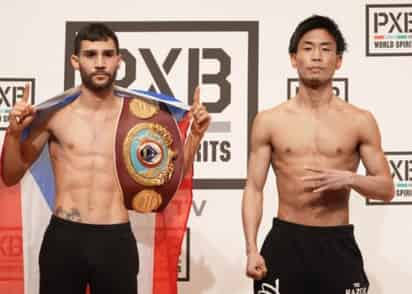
{"x":73,"y":255}
{"x":305,"y":259}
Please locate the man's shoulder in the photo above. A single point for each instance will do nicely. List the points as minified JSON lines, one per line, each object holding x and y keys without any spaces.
{"x":59,"y":117}
{"x":274,"y":117}
{"x":354,"y":112}
{"x":359,"y":118}
{"x":276,"y":111}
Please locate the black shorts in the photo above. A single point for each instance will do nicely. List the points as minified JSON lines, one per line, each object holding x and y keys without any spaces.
{"x":305,"y":259}
{"x":73,"y":255}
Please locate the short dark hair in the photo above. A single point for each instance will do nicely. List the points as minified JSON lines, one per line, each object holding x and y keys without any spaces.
{"x":94,"y":32}
{"x":317,"y":22}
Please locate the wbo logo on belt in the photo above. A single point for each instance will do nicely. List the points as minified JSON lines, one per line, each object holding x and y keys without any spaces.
{"x":148,"y":153}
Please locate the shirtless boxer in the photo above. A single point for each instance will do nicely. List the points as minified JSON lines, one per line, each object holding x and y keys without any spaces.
{"x":314,"y":143}
{"x":89,"y":239}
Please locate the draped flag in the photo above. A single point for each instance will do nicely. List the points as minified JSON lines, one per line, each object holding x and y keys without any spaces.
{"x":159,"y":235}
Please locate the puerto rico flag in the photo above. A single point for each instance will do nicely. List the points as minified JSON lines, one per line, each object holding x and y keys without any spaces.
{"x":26,"y":209}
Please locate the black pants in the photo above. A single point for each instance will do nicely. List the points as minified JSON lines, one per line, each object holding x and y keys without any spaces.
{"x":73,"y":255}
{"x":306,"y":259}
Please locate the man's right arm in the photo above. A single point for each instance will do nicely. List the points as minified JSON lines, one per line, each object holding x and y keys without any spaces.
{"x":17,"y":156}
{"x":252,"y":204}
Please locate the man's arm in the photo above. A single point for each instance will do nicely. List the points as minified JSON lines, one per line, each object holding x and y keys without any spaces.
{"x":252,"y":203}
{"x":17,"y":156}
{"x":200,"y":122}
{"x":190,"y":149}
{"x":377,"y":184}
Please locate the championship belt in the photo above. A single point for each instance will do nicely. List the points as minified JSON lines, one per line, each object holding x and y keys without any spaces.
{"x":148,"y":154}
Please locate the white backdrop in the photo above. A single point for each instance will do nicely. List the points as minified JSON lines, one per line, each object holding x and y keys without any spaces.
{"x":33,"y":46}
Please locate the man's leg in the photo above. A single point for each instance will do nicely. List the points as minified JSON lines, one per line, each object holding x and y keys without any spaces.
{"x":115,"y":262}
{"x":286,"y":273}
{"x":342,"y":268}
{"x":62,"y":269}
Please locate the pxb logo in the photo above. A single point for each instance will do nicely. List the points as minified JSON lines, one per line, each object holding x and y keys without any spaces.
{"x":389,"y":30}
{"x":340,"y":88}
{"x":400,"y":163}
{"x":11,"y":90}
{"x":11,"y":254}
{"x":173,"y":58}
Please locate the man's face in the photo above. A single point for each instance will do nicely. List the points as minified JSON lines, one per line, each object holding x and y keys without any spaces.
{"x":316,"y":59}
{"x":97,"y":63}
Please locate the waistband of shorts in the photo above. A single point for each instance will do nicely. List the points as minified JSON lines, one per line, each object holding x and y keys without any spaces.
{"x":57,"y":221}
{"x":317,"y":230}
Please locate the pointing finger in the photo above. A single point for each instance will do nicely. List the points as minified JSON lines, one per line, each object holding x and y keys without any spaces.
{"x":196,"y":96}
{"x":26,"y":93}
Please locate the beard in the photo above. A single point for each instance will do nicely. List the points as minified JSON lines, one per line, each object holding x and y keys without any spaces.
{"x":89,"y":83}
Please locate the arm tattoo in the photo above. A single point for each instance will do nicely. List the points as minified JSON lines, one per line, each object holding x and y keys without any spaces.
{"x":72,"y":215}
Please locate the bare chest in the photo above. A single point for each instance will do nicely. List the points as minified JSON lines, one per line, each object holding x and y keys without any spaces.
{"x":328,"y":137}
{"x":80,"y":134}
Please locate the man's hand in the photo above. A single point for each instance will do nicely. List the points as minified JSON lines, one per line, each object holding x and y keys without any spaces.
{"x":200,"y":116}
{"x":328,"y":179}
{"x":256,"y":266}
{"x":22,"y":114}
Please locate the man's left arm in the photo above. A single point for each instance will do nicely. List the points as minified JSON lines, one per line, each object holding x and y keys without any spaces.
{"x":200,"y":122}
{"x":376,"y":184}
